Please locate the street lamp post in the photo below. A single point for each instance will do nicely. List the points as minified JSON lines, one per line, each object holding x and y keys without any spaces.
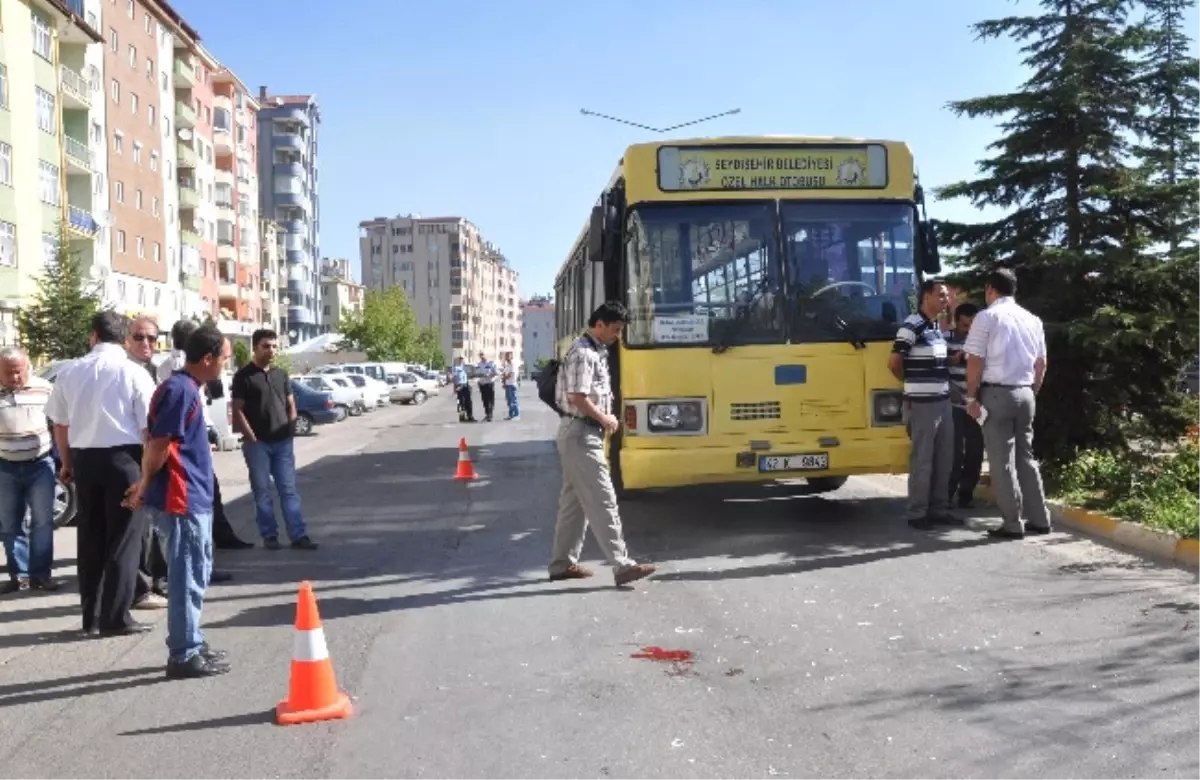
{"x":598,"y":115}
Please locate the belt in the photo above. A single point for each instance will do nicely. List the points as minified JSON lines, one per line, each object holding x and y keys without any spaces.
{"x":1006,"y":387}
{"x":34,"y":459}
{"x":585,"y":420}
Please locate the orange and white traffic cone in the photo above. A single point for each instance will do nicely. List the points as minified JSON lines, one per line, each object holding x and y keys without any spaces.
{"x":466,"y":469}
{"x":313,"y":694}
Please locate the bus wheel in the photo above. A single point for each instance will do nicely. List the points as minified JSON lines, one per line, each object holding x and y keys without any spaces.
{"x":826,"y":484}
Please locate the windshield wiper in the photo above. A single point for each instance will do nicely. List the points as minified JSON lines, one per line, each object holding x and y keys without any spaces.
{"x":830,"y":316}
{"x":739,"y":324}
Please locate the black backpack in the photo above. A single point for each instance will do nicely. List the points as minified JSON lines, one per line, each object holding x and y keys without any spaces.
{"x":547,"y":384}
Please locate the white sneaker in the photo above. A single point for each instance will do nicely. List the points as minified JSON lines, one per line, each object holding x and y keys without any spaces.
{"x":151,"y":601}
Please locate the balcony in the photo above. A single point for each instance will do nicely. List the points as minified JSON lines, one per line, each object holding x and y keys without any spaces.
{"x":297,"y":257}
{"x":225,"y":251}
{"x":298,"y":114}
{"x":185,"y":75}
{"x":228,"y":290}
{"x":191,"y":282}
{"x":189,"y":196}
{"x":189,"y":237}
{"x":286,"y":140}
{"x":76,"y":90}
{"x":80,"y":159}
{"x":80,"y":223}
{"x":187,"y":155}
{"x":185,"y":115}
{"x":299,"y":287}
{"x":298,"y":315}
{"x":222,"y":141}
{"x":296,"y":200}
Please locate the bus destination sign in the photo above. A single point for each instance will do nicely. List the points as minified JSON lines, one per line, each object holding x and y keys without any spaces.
{"x":702,"y":168}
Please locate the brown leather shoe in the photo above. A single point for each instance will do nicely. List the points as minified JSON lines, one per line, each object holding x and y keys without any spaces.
{"x":572,"y":572}
{"x":634,"y":573}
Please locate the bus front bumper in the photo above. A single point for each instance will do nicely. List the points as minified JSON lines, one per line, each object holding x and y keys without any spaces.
{"x":652,"y":468}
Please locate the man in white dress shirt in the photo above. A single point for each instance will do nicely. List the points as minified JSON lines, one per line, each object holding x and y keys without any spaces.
{"x":1006,"y":363}
{"x":99,"y":408}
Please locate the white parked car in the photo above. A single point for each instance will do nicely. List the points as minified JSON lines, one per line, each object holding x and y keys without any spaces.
{"x":346,"y":397}
{"x":410,"y":388}
{"x":375,"y":392}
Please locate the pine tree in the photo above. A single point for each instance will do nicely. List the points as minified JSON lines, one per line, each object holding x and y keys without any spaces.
{"x":1075,"y":228}
{"x":58,"y":323}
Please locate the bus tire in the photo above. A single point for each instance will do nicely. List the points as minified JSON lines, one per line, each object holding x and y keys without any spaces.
{"x":826,"y":484}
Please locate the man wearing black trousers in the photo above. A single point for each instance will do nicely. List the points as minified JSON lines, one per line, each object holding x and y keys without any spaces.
{"x":99,"y":408}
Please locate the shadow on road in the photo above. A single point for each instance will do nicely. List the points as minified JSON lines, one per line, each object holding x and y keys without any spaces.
{"x":80,"y":685}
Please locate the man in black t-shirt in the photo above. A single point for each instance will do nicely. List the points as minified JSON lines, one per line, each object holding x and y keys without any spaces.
{"x":263,"y":412}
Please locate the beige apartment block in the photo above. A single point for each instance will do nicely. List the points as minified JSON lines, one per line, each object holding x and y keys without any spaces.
{"x":341,"y":296}
{"x":456,"y":281}
{"x":274,"y":276}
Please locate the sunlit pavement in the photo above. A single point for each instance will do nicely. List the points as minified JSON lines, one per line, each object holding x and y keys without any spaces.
{"x":826,"y":639}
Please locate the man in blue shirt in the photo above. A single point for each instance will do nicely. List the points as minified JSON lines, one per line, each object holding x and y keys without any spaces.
{"x":486,"y":371}
{"x":462,"y":389}
{"x":177,"y":489}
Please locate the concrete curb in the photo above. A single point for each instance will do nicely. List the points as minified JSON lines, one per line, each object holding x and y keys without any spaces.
{"x":1162,"y":545}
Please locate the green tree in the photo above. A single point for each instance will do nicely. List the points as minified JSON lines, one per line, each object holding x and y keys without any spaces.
{"x":1118,"y":319}
{"x":57,"y":324}
{"x":386,"y":328}
{"x":241,"y":354}
{"x":427,"y":348}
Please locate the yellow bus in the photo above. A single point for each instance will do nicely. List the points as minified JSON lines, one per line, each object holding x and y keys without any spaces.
{"x":765,"y":279}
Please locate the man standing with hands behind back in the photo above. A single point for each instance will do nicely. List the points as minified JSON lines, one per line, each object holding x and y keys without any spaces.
{"x":1006,"y":363}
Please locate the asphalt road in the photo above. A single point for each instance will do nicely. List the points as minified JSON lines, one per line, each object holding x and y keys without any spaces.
{"x":826,"y":638}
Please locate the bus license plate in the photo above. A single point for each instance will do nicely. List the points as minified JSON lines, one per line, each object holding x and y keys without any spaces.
{"x":817,"y":461}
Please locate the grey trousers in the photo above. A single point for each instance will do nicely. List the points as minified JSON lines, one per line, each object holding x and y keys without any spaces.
{"x":1008,"y":437}
{"x":587,"y":495}
{"x":931,"y":429}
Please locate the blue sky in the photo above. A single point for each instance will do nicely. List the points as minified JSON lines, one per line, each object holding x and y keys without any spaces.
{"x":472,"y":107}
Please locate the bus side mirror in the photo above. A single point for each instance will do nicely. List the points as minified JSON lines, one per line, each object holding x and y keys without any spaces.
{"x":596,"y":235}
{"x":931,"y":262}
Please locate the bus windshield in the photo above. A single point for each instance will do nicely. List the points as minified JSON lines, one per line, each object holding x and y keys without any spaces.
{"x":702,"y":274}
{"x":848,"y":262}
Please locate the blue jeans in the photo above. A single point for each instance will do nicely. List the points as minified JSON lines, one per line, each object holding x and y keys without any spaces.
{"x":189,"y":547}
{"x":27,"y":485}
{"x":510,"y":395}
{"x":274,"y":460}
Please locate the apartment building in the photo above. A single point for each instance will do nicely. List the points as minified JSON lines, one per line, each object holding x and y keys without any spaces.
{"x":50,"y":60}
{"x":537,"y":331}
{"x":287,"y":164}
{"x":456,"y":281}
{"x":341,"y":296}
{"x":272,"y":280}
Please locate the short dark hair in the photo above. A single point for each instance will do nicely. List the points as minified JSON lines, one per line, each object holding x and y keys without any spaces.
{"x":263,"y":333}
{"x":1003,"y":281}
{"x":608,"y":313}
{"x":204,"y":341}
{"x":110,"y":327}
{"x":180,"y":332}
{"x":966,"y":310}
{"x":928,"y":285}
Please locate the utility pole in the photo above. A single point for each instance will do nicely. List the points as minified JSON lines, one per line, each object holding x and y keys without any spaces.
{"x":586,"y":112}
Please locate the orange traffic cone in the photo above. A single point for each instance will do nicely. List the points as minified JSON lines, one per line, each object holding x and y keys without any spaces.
{"x":466,"y":469}
{"x":313,"y":694}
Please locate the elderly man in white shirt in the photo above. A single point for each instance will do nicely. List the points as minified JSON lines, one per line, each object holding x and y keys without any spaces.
{"x":99,"y":408}
{"x":1006,"y":363}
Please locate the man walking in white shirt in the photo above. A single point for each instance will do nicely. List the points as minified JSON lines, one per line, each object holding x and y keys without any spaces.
{"x":99,"y":406}
{"x":1006,"y":363}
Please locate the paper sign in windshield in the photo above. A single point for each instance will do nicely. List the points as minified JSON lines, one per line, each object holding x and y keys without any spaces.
{"x":685,"y":329}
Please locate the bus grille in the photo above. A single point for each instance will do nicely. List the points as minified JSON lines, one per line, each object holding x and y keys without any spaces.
{"x":764,"y":410}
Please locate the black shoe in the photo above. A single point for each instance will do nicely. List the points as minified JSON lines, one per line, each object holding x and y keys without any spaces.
{"x":966,"y":501}
{"x":44,"y":583}
{"x":271,"y":543}
{"x":946,"y":519}
{"x":13,"y":586}
{"x":195,"y":667}
{"x":219,"y":576}
{"x":233,"y":544}
{"x":130,"y":630}
{"x":921,"y":524}
{"x":1035,"y":530}
{"x":211,"y":654}
{"x":304,"y":543}
{"x":89,"y":632}
{"x":1004,"y":533}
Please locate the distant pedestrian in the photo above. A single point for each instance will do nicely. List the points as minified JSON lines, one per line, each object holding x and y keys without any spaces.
{"x":1006,"y":363}
{"x":486,"y":373}
{"x":584,"y":391}
{"x":918,"y":359}
{"x":968,"y":435}
{"x":462,"y":390}
{"x":151,"y":590}
{"x":26,"y":475}
{"x":99,"y":406}
{"x":264,"y":411}
{"x":177,"y":490}
{"x":508,"y":374}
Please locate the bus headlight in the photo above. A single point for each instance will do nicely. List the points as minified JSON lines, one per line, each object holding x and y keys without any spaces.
{"x":675,"y":416}
{"x":887,"y":407}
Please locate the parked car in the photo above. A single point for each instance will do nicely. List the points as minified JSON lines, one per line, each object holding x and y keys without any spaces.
{"x":312,"y":408}
{"x":410,"y":388}
{"x":347,"y":398}
{"x":373,"y":388}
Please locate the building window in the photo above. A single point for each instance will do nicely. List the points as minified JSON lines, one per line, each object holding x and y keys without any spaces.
{"x":9,"y":230}
{"x":48,"y":178}
{"x":118,"y":142}
{"x":137,"y":199}
{"x":116,"y":91}
{"x":5,"y":163}
{"x":97,"y":133}
{"x":137,"y":152}
{"x":150,"y":115}
{"x":119,"y":191}
{"x":133,"y":60}
{"x":41,"y":36}
{"x":154,"y":161}
{"x":99,"y":188}
{"x":154,"y":205}
{"x":3,"y":85}
{"x":133,"y":102}
{"x":49,"y":248}
{"x":157,"y":254}
{"x":130,"y":9}
{"x":112,"y":40}
{"x":141,"y":248}
{"x":149,"y":24}
{"x":45,"y":110}
{"x":121,"y":285}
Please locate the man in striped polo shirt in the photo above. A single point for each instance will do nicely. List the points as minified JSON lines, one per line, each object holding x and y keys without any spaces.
{"x":26,"y":475}
{"x":919,"y":360}
{"x":968,"y":435}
